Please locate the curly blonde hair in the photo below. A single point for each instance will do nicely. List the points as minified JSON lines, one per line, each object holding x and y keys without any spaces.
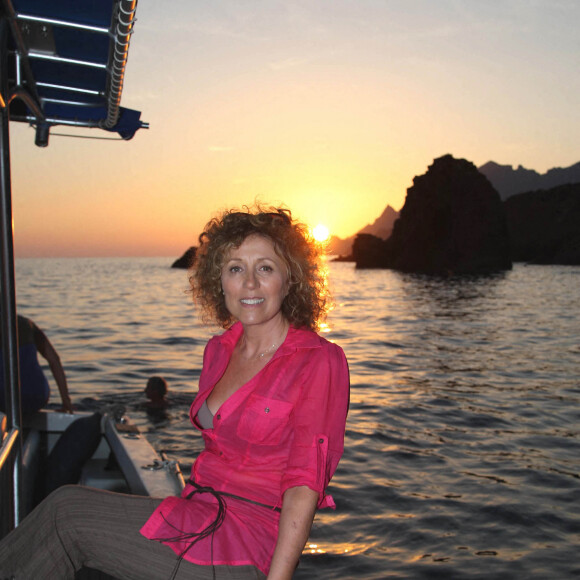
{"x":307,"y":302}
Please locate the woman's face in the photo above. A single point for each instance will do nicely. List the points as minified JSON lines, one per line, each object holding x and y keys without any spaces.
{"x":254,"y":281}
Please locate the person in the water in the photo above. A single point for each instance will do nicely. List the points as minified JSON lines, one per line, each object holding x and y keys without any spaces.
{"x":156,"y":391}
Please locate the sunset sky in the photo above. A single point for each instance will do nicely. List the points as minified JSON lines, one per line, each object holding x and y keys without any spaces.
{"x":330,"y":107}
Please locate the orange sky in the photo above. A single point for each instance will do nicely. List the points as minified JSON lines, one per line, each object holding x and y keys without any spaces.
{"x":328,"y":107}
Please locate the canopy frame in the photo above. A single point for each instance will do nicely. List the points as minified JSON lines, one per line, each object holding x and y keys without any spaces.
{"x":33,"y":39}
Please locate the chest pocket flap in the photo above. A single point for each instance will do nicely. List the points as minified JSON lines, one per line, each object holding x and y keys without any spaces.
{"x":264,"y":420}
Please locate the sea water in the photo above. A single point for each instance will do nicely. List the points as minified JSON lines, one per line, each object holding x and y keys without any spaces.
{"x":462,"y":446}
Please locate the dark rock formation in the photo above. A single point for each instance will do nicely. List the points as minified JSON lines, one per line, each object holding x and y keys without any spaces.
{"x":382,"y":227}
{"x":186,"y":261}
{"x":369,"y":251}
{"x":545,"y":225}
{"x":344,"y":258}
{"x":508,"y":181}
{"x":452,"y":222}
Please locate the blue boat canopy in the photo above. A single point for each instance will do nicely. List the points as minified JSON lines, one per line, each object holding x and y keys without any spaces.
{"x":67,"y":62}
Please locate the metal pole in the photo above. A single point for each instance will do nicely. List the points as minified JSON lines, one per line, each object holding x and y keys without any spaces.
{"x":9,"y":327}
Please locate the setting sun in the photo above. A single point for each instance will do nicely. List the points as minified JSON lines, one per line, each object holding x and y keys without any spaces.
{"x":320,"y":233}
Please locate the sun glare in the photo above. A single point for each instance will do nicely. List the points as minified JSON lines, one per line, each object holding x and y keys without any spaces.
{"x":320,"y":233}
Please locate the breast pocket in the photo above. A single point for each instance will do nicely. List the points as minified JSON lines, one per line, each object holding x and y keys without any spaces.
{"x":264,"y":420}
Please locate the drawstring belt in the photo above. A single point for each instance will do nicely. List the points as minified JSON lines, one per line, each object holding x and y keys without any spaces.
{"x":216,"y":494}
{"x":212,"y":527}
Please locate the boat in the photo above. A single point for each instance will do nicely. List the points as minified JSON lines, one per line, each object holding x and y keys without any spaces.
{"x":101,"y":450}
{"x":62,"y":63}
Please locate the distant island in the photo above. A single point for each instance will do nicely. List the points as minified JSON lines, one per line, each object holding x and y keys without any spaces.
{"x":186,"y":260}
{"x":508,"y":181}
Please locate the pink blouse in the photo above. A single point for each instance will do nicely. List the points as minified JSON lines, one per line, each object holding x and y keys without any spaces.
{"x":283,"y":428}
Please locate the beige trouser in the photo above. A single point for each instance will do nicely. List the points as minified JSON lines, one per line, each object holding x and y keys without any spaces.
{"x":80,"y":526}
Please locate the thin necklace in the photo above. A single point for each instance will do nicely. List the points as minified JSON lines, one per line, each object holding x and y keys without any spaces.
{"x":274,"y":346}
{"x":268,"y":350}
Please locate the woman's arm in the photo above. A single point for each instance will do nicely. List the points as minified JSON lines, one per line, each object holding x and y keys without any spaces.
{"x":298,"y":507}
{"x":45,"y":348}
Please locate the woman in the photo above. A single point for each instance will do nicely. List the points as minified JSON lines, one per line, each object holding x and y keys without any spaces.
{"x":272,"y":404}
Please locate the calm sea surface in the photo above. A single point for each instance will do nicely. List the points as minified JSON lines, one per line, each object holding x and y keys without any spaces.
{"x":462,"y":456}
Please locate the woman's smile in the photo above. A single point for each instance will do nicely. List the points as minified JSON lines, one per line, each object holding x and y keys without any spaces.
{"x":252,"y":301}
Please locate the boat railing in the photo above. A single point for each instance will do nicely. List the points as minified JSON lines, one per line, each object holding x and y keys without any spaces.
{"x":9,"y":479}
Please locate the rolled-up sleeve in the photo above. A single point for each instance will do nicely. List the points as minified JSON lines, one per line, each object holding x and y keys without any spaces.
{"x":319,"y":419}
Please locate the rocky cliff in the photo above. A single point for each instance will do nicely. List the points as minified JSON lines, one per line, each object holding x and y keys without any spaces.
{"x":545,"y":225}
{"x":453,"y":221}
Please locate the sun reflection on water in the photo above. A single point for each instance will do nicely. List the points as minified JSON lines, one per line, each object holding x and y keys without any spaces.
{"x":335,"y":549}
